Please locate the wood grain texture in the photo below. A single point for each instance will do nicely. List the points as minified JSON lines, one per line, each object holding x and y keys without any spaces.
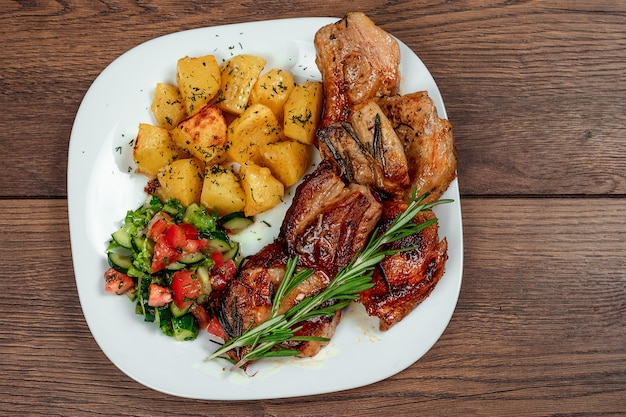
{"x":536,"y":95}
{"x":533,"y":88}
{"x":538,"y":330}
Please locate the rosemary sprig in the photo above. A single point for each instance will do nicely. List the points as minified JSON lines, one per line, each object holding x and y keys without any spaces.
{"x":265,"y":340}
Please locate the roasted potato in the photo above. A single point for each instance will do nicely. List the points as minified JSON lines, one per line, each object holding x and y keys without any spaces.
{"x":302,"y":112}
{"x":167,"y":106}
{"x":153,"y":149}
{"x":238,"y":75}
{"x":287,"y":160}
{"x":254,"y":128}
{"x":198,"y":81}
{"x":182,"y":179}
{"x":261,"y":189}
{"x":272,"y":89}
{"x":203,"y":135}
{"x":222,"y":191}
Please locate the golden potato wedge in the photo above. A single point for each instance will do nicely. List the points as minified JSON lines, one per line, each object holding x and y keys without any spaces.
{"x":302,"y":112}
{"x":238,"y":75}
{"x":254,"y":128}
{"x":198,"y":80}
{"x":261,"y":189}
{"x":182,"y":180}
{"x":167,"y":106}
{"x":273,"y":89}
{"x":153,"y":149}
{"x":203,"y":135}
{"x":287,"y":160}
{"x":221,"y":190}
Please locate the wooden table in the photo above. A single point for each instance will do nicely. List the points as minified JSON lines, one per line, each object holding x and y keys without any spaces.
{"x":536,"y":92}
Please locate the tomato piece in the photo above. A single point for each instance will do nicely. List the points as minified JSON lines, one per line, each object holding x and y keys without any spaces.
{"x":223,"y":274}
{"x":186,"y":287}
{"x":218,"y":258}
{"x":201,"y":315}
{"x":190,"y":231}
{"x":158,"y":296}
{"x":158,"y":224}
{"x":117,"y":282}
{"x":164,"y":254}
{"x":176,"y":236}
{"x":195,"y":245}
{"x":215,"y":328}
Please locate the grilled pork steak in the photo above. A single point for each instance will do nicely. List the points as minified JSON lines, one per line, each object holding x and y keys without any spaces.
{"x":428,"y":142}
{"x":358,"y":61}
{"x":405,"y":279}
{"x":367,"y":150}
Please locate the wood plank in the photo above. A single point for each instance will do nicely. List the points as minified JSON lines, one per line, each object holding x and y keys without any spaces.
{"x":531,"y":87}
{"x":539,"y":327}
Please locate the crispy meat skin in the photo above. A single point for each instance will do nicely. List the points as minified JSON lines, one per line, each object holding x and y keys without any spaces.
{"x":358,"y":61}
{"x":405,"y":279}
{"x":327,"y":223}
{"x":428,"y":142}
{"x":367,"y":150}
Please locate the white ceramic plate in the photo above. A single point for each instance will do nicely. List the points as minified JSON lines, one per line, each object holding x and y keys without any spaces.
{"x":102,"y":187}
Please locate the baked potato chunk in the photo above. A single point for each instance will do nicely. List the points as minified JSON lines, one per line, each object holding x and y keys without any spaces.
{"x":287,"y":160}
{"x":253,"y":129}
{"x":198,"y":81}
{"x":238,"y":75}
{"x":153,"y":149}
{"x":272,"y":89}
{"x":261,"y":189}
{"x":302,"y":112}
{"x":167,"y":106}
{"x":222,"y":191}
{"x":182,"y":179}
{"x":203,"y":135}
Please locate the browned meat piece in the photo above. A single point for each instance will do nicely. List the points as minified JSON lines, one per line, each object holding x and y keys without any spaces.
{"x":327,"y":223}
{"x":367,"y":150}
{"x":428,"y":142}
{"x":358,"y":61}
{"x":405,"y":279}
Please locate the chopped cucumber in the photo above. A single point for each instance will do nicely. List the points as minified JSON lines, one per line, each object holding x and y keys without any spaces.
{"x":119,"y":262}
{"x":185,"y":327}
{"x":236,"y":222}
{"x":192,"y":258}
{"x":233,"y":252}
{"x":122,"y":236}
{"x":218,"y":241}
{"x":177,"y":312}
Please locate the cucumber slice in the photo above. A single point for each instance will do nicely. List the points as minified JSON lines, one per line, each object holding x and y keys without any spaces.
{"x":185,"y":327}
{"x":192,"y":258}
{"x":177,"y":312}
{"x":122,"y":236}
{"x":236,"y":222}
{"x":218,"y":241}
{"x":233,"y":252}
{"x":119,"y":262}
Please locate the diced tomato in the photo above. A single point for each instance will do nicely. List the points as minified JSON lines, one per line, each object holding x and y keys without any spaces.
{"x":201,"y":316}
{"x":117,"y":282}
{"x":186,"y":287}
{"x":176,"y":236}
{"x":164,"y":254}
{"x":218,"y":258}
{"x":195,"y":245}
{"x":158,"y":296}
{"x":215,"y":328}
{"x":222,"y":274}
{"x":190,"y":231}
{"x":158,"y":225}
